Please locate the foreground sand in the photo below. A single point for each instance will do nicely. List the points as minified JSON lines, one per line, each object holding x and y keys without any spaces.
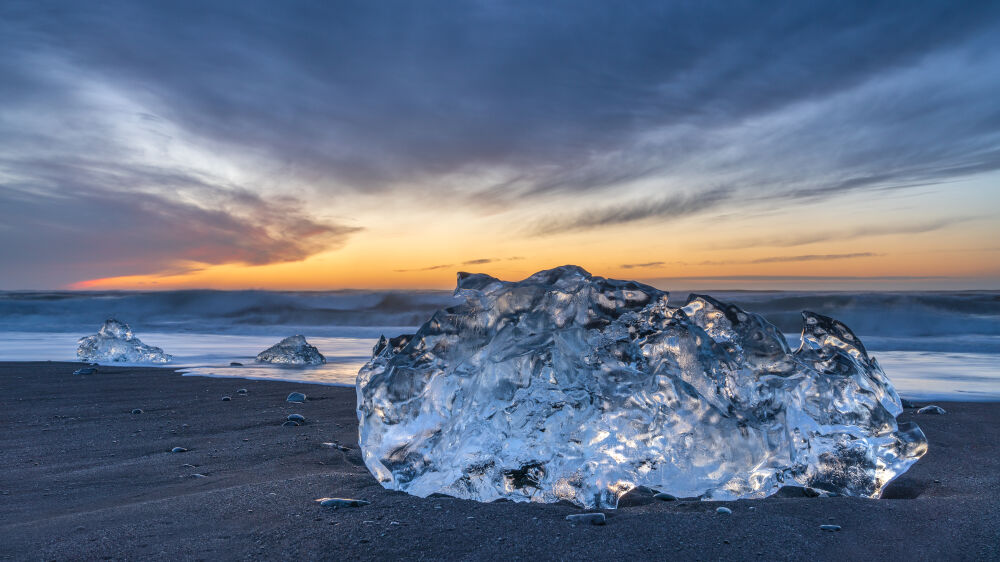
{"x":83,"y":478}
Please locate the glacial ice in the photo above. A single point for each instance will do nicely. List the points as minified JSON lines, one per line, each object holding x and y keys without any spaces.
{"x":566,"y":386}
{"x":293,"y":350}
{"x":115,"y":343}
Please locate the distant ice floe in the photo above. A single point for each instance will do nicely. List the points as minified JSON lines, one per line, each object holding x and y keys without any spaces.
{"x":293,"y":350}
{"x":115,"y":343}
{"x":566,"y":386}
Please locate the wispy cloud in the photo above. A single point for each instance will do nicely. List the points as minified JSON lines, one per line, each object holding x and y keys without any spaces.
{"x":770,"y":259}
{"x":847,"y":234}
{"x":664,"y":208}
{"x":479,"y":261}
{"x":641,"y":265}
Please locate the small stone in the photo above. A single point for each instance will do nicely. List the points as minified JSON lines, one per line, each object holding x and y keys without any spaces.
{"x":235,"y":364}
{"x":724,"y":510}
{"x":830,"y":528}
{"x":198,"y":475}
{"x":752,"y":508}
{"x":85,"y":371}
{"x":665,"y":497}
{"x":291,"y":423}
{"x":296,"y":418}
{"x":297,"y":397}
{"x":592,"y":518}
{"x":936,"y":481}
{"x":227,"y":398}
{"x":178,"y":450}
{"x":341,"y":502}
{"x":137,"y":411}
{"x":241,"y":391}
{"x":932,"y":409}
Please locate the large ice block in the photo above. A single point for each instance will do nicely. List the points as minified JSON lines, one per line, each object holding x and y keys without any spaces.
{"x":566,"y":386}
{"x":115,"y":343}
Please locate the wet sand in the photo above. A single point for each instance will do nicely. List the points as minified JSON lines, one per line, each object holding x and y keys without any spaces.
{"x":83,"y":478}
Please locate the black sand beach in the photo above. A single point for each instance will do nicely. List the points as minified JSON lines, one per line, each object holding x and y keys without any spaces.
{"x":83,"y":478}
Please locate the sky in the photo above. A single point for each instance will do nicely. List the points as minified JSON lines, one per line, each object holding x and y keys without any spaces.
{"x":391,"y":144}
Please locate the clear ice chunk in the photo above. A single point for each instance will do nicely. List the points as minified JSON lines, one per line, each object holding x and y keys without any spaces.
{"x":115,"y":343}
{"x":566,"y":386}
{"x":293,"y":350}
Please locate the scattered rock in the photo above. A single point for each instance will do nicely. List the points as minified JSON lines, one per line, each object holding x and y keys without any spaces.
{"x":932,"y":409}
{"x":296,"y":397}
{"x":592,"y":518}
{"x":335,"y":445}
{"x":665,"y":497}
{"x":291,"y":423}
{"x":752,"y":508}
{"x":724,"y":510}
{"x":235,"y":364}
{"x":178,"y":450}
{"x":830,"y":528}
{"x":137,"y":411}
{"x":797,"y":492}
{"x":297,"y":418}
{"x":640,"y":495}
{"x":241,"y":391}
{"x":227,"y":398}
{"x":341,"y":502}
{"x":85,"y":371}
{"x":198,"y":475}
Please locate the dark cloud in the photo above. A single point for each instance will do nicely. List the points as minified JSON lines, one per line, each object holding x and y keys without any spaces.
{"x":491,"y":104}
{"x":372,"y":93}
{"x":87,"y":227}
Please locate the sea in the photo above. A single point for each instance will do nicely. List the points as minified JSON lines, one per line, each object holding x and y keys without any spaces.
{"x":932,"y":345}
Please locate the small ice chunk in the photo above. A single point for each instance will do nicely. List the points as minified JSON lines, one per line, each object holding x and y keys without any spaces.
{"x":341,"y":502}
{"x":296,"y":397}
{"x":293,"y":350}
{"x":932,"y":409}
{"x":115,"y":343}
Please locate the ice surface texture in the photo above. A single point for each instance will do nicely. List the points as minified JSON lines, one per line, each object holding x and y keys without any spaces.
{"x":570,"y":387}
{"x":293,"y":350}
{"x":115,"y":343}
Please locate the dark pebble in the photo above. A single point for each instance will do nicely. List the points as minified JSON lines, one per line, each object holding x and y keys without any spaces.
{"x":241,"y":391}
{"x":178,"y":450}
{"x":227,"y":398}
{"x":137,"y":411}
{"x":296,"y":418}
{"x":830,"y":528}
{"x":592,"y":518}
{"x":291,"y":423}
{"x":724,"y":510}
{"x":296,"y":397}
{"x":665,"y":497}
{"x":235,"y":364}
{"x":85,"y":371}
